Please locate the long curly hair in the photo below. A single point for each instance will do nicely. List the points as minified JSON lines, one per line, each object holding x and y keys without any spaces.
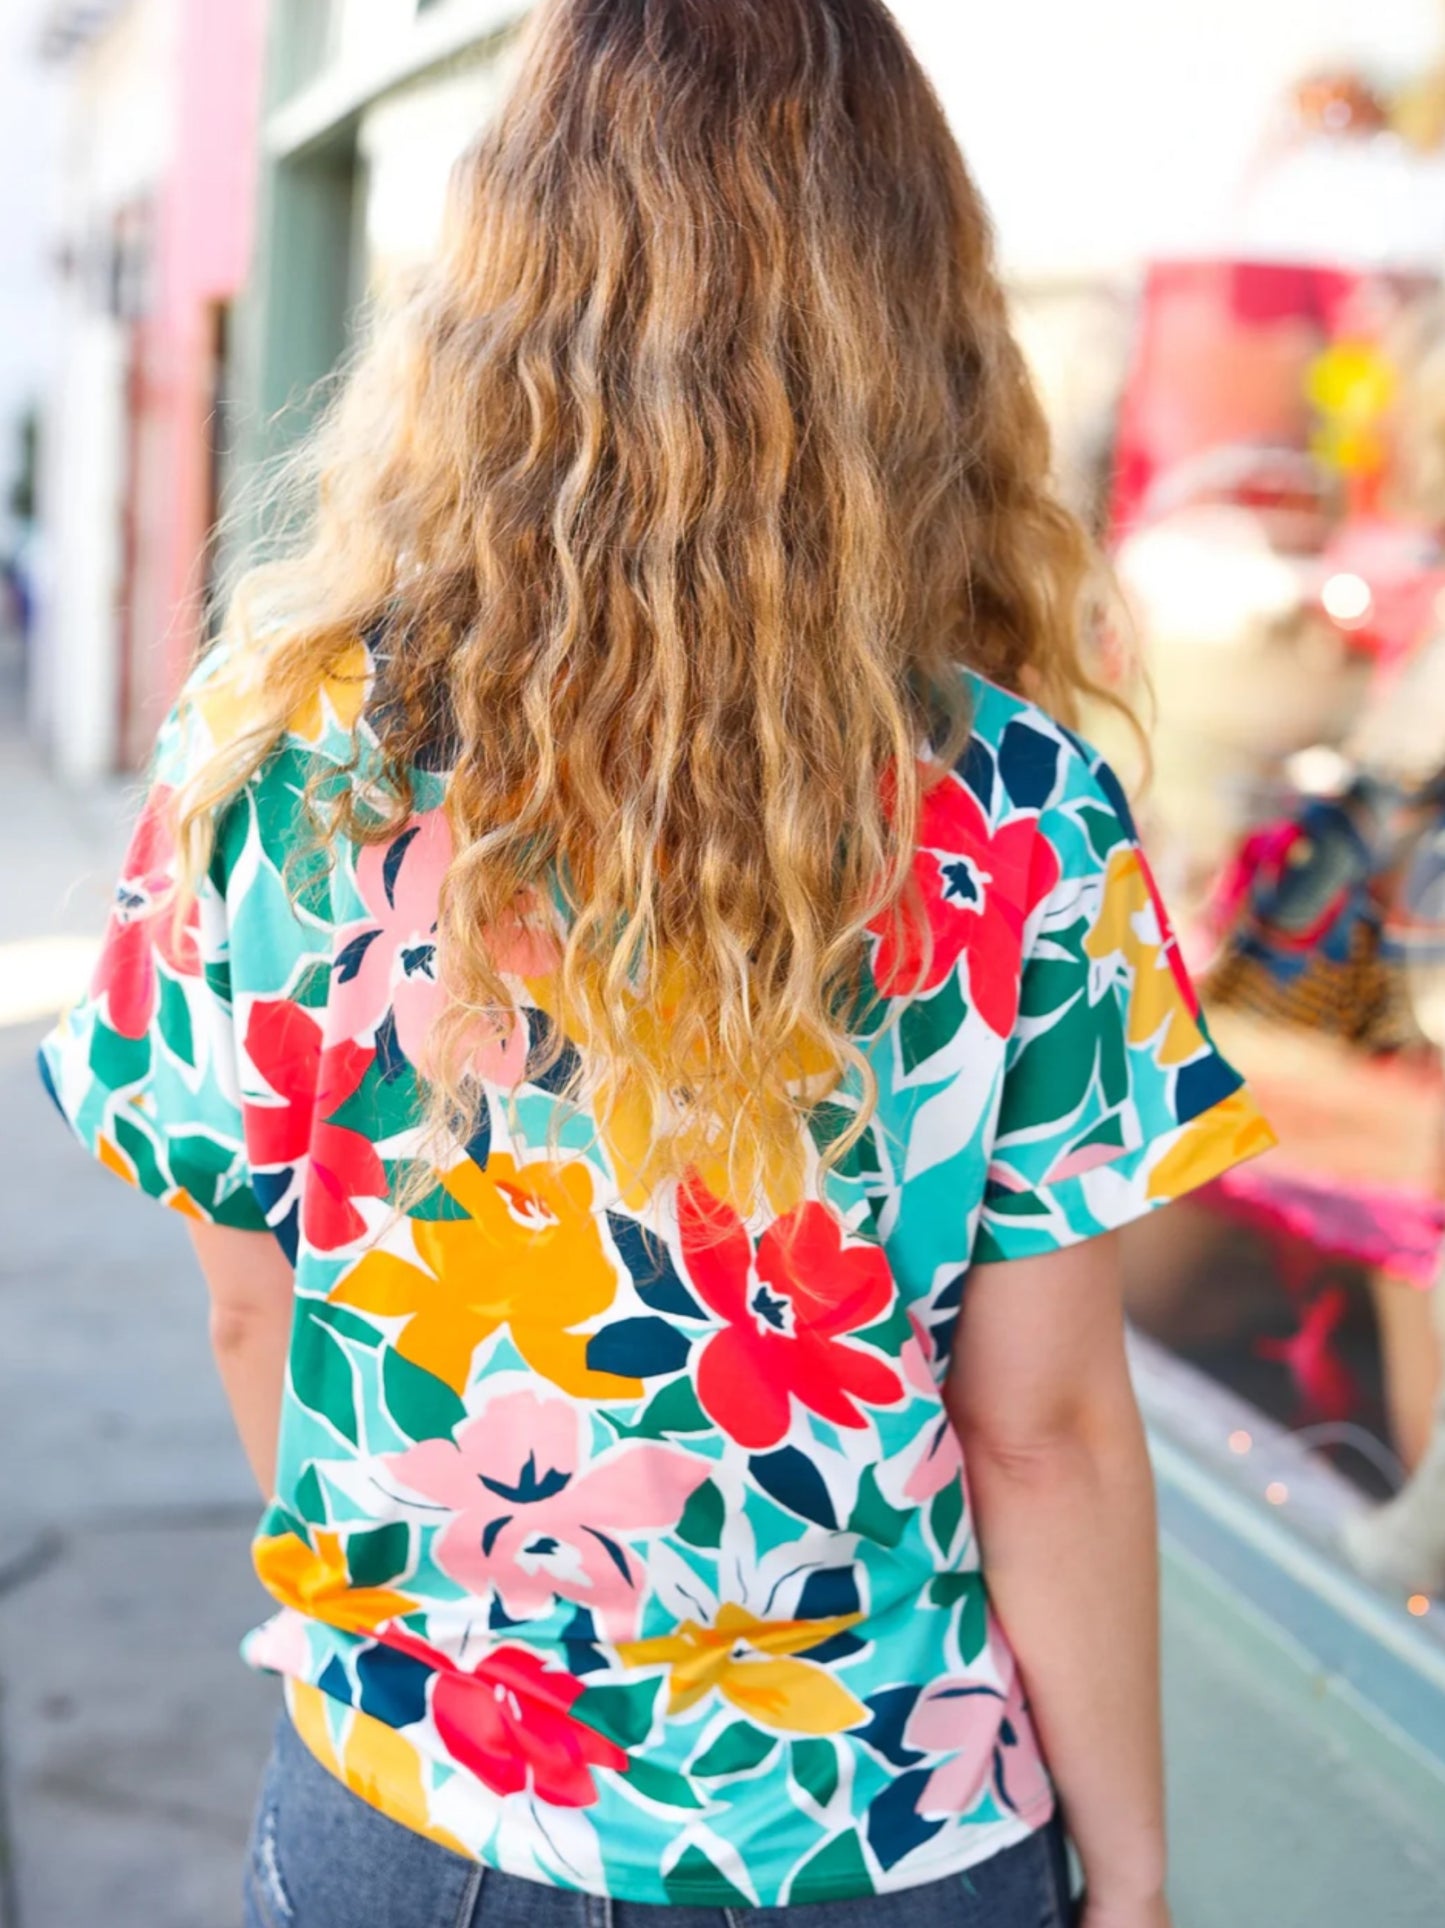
{"x":678,"y":489}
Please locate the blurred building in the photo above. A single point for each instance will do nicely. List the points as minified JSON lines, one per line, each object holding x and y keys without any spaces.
{"x":156,"y":195}
{"x":370,"y":102}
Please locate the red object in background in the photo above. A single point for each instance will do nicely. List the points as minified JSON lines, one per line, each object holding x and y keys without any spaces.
{"x":1324,"y":1383}
{"x":1221,"y":361}
{"x":1402,"y":567}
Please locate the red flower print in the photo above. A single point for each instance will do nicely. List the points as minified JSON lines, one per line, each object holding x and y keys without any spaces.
{"x":510,"y":1723}
{"x":978,"y":888}
{"x":309,"y":1084}
{"x":142,"y":926}
{"x":785,"y":1307}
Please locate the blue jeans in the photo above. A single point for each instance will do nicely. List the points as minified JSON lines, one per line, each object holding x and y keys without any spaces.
{"x":321,"y":1858}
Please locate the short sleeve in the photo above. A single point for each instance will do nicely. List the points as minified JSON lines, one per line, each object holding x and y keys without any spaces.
{"x":1114,"y":1100}
{"x":144,"y":1068}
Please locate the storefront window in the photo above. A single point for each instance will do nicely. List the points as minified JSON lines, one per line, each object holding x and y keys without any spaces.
{"x":1276,"y":522}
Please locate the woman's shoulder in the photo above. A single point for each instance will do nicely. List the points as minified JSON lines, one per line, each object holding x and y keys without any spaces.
{"x":1020,"y":760}
{"x":230,"y":695}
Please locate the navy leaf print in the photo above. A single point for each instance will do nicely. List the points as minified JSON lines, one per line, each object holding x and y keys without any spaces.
{"x":614,"y":1553}
{"x":393,"y":1686}
{"x":1203,"y":1085}
{"x":395,"y":858}
{"x":1029,"y":765}
{"x":350,"y":960}
{"x":579,"y":1636}
{"x":479,"y":1145}
{"x":891,"y":1710}
{"x":649,"y":1261}
{"x":792,"y":1479}
{"x":895,"y":1827}
{"x":391,"y":1060}
{"x":976,"y":767}
{"x":638,"y":1349}
{"x":828,"y":1594}
{"x":1118,"y":799}
{"x":336,"y":1682}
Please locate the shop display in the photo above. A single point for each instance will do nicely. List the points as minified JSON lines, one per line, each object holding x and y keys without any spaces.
{"x":1278,"y":522}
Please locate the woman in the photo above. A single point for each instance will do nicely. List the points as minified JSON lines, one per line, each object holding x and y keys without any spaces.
{"x":651,"y":1041}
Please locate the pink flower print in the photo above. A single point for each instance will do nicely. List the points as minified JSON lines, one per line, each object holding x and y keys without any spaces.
{"x":935,"y":1459}
{"x":988,"y":1739}
{"x":388,"y":961}
{"x":530,"y":1521}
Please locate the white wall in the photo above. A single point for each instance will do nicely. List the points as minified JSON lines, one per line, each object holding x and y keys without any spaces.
{"x":28,"y":132}
{"x":119,"y":133}
{"x":1105,"y":132}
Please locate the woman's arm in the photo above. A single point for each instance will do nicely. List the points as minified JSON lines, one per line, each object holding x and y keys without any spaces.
{"x":1064,"y":1507}
{"x":251,"y":1286}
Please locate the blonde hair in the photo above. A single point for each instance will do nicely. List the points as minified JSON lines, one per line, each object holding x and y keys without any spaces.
{"x":679,"y":490}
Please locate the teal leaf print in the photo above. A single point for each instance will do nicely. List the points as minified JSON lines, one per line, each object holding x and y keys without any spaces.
{"x":378,"y":1555}
{"x":661,"y":1784}
{"x":346,"y":1324}
{"x":674,"y":1410}
{"x":737,"y":1750}
{"x":973,"y":1619}
{"x":693,"y":1882}
{"x":174,"y":1021}
{"x":703,"y":1518}
{"x":1103,"y":829}
{"x":838,"y":1868}
{"x":322,"y":1375}
{"x":138,"y":1147}
{"x":311,"y":1497}
{"x":623,"y":1714}
{"x":815,"y":1769}
{"x":928,"y":1024}
{"x":420,"y":1405}
{"x":872,"y":1517}
{"x":945,"y":1515}
{"x":117,"y":1061}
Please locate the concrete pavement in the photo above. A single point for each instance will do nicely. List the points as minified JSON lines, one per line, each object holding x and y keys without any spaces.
{"x":131,"y":1738}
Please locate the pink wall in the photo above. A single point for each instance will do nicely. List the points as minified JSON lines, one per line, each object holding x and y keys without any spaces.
{"x":203,"y":240}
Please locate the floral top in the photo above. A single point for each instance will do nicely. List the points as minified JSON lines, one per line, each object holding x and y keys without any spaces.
{"x":617,"y":1553}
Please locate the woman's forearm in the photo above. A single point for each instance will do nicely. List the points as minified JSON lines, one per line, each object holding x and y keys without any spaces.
{"x":250,"y":1353}
{"x":1069,"y":1536}
{"x":251,"y":1284}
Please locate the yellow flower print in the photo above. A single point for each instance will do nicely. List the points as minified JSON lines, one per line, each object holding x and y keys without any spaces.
{"x":626,"y":1123}
{"x":527,"y":1257}
{"x":343,"y":693}
{"x":1130,"y":928}
{"x":318,"y":1585}
{"x":227,"y":702}
{"x":379,"y":1765}
{"x":1226,"y":1135}
{"x":748,"y":1662}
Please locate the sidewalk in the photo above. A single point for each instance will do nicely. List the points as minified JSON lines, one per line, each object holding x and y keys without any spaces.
{"x":131,"y":1738}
